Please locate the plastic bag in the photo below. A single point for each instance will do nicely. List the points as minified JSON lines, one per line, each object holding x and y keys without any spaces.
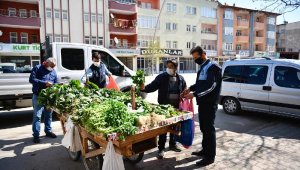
{"x":112,"y":84}
{"x":188,"y":126}
{"x":112,"y":160}
{"x":71,"y":139}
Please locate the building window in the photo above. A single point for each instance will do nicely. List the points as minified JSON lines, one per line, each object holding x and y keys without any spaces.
{"x":100,"y":18}
{"x":168,"y":44}
{"x":12,"y":12}
{"x":171,"y":7}
{"x":87,"y":40}
{"x":228,"y":14}
{"x":171,"y":26}
{"x":188,"y":45}
{"x":65,"y":14}
{"x":24,"y":38}
{"x":238,"y":32}
{"x":65,"y":38}
{"x":125,"y":43}
{"x":56,"y":14}
{"x":33,"y":13}
{"x":93,"y":17}
{"x":100,"y":40}
{"x":94,"y":40}
{"x":57,"y":38}
{"x":23,"y":13}
{"x":194,"y":44}
{"x":86,"y":17}
{"x":228,"y":31}
{"x":145,"y":5}
{"x":290,"y":50}
{"x":194,"y":28}
{"x":238,"y":47}
{"x":191,"y":10}
{"x":175,"y":44}
{"x":228,"y":47}
{"x":270,"y":48}
{"x":13,"y":37}
{"x":188,"y":28}
{"x":147,"y":22}
{"x":48,"y":13}
{"x":271,"y":34}
{"x":34,"y":38}
{"x":271,"y":21}
{"x":208,"y":12}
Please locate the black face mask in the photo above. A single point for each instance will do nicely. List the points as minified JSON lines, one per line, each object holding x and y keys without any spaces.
{"x":199,"y":61}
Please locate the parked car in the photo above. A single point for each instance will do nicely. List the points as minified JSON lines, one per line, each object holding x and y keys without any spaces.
{"x":263,"y":85}
{"x":72,"y":60}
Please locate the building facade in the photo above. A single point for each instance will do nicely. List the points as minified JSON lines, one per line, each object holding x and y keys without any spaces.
{"x":19,"y":35}
{"x":288,"y":40}
{"x":245,"y":33}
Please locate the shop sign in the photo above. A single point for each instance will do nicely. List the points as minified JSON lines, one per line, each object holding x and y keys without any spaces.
{"x":266,"y":54}
{"x":20,"y":48}
{"x":211,"y":53}
{"x":244,"y":53}
{"x":146,"y":51}
{"x":120,"y":52}
{"x":229,"y":53}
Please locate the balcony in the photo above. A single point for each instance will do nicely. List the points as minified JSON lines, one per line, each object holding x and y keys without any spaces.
{"x":122,"y":8}
{"x":16,"y":20}
{"x":122,"y":31}
{"x":243,"y":38}
{"x":259,"y":39}
{"x":243,"y":23}
{"x":259,"y":25}
{"x":124,"y":46}
{"x":208,"y":35}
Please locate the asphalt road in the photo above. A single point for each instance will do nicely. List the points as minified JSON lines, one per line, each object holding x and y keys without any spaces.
{"x":246,"y":141}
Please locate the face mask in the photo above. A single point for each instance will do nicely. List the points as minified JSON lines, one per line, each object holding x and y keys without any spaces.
{"x":171,"y":72}
{"x":97,"y":64}
{"x":50,"y":69}
{"x":199,"y":61}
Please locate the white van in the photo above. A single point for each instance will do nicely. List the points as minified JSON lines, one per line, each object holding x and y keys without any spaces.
{"x":72,"y":60}
{"x":263,"y":85}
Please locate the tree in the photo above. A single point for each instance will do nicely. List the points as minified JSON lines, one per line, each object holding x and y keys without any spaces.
{"x":280,"y":6}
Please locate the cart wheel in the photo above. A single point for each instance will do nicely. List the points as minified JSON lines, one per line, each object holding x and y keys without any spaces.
{"x":74,"y":155}
{"x":93,"y":163}
{"x":135,"y":158}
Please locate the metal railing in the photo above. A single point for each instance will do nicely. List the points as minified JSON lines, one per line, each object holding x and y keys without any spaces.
{"x":5,"y":12}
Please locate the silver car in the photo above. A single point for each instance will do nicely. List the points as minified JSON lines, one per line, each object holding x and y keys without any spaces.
{"x":263,"y":85}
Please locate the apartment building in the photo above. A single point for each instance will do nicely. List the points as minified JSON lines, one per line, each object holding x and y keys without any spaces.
{"x":288,"y":40}
{"x":245,"y":32}
{"x":19,"y":35}
{"x":76,"y":21}
{"x":173,"y":31}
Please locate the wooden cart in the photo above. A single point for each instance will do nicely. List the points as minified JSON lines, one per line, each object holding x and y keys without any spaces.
{"x":132,"y":148}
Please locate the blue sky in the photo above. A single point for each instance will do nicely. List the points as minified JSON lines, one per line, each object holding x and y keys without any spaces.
{"x":290,"y":17}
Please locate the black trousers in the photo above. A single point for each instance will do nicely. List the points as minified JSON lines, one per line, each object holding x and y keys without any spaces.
{"x":162,"y":141}
{"x":207,"y":114}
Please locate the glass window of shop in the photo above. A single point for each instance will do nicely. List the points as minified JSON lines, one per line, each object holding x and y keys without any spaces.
{"x":18,"y":64}
{"x":145,"y":64}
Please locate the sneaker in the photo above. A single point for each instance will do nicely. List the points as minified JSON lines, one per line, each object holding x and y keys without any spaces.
{"x":161,"y":154}
{"x":51,"y":135}
{"x":36,"y":139}
{"x":175,"y":148}
{"x":205,"y":162}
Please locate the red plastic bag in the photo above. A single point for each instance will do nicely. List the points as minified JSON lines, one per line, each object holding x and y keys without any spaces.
{"x":186,"y":105}
{"x":112,"y":84}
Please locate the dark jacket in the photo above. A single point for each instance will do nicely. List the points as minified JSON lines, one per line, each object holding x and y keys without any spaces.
{"x":161,"y":84}
{"x":39,"y":76}
{"x":208,"y":84}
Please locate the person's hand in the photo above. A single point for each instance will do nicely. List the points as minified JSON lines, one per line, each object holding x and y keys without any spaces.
{"x":142,"y":86}
{"x":48,"y":84}
{"x":185,"y":92}
{"x":189,"y":96}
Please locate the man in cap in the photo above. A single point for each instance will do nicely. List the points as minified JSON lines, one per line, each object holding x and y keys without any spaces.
{"x":169,"y":85}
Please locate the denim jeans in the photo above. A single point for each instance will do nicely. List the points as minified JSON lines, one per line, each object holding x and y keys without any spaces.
{"x":38,"y":110}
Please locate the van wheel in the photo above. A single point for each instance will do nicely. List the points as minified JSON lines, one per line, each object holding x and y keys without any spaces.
{"x":231,"y":105}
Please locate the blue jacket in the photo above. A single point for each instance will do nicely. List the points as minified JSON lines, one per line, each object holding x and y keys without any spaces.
{"x":39,"y":76}
{"x":208,"y":84}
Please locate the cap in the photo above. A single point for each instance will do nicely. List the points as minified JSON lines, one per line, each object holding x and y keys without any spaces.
{"x":173,"y":61}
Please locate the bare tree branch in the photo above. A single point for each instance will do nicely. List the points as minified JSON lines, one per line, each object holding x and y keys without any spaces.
{"x":281,"y":6}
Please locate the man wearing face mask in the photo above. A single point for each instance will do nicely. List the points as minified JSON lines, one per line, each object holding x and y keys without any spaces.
{"x":97,"y":72}
{"x":169,"y":85}
{"x":206,"y":90}
{"x":41,"y":77}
